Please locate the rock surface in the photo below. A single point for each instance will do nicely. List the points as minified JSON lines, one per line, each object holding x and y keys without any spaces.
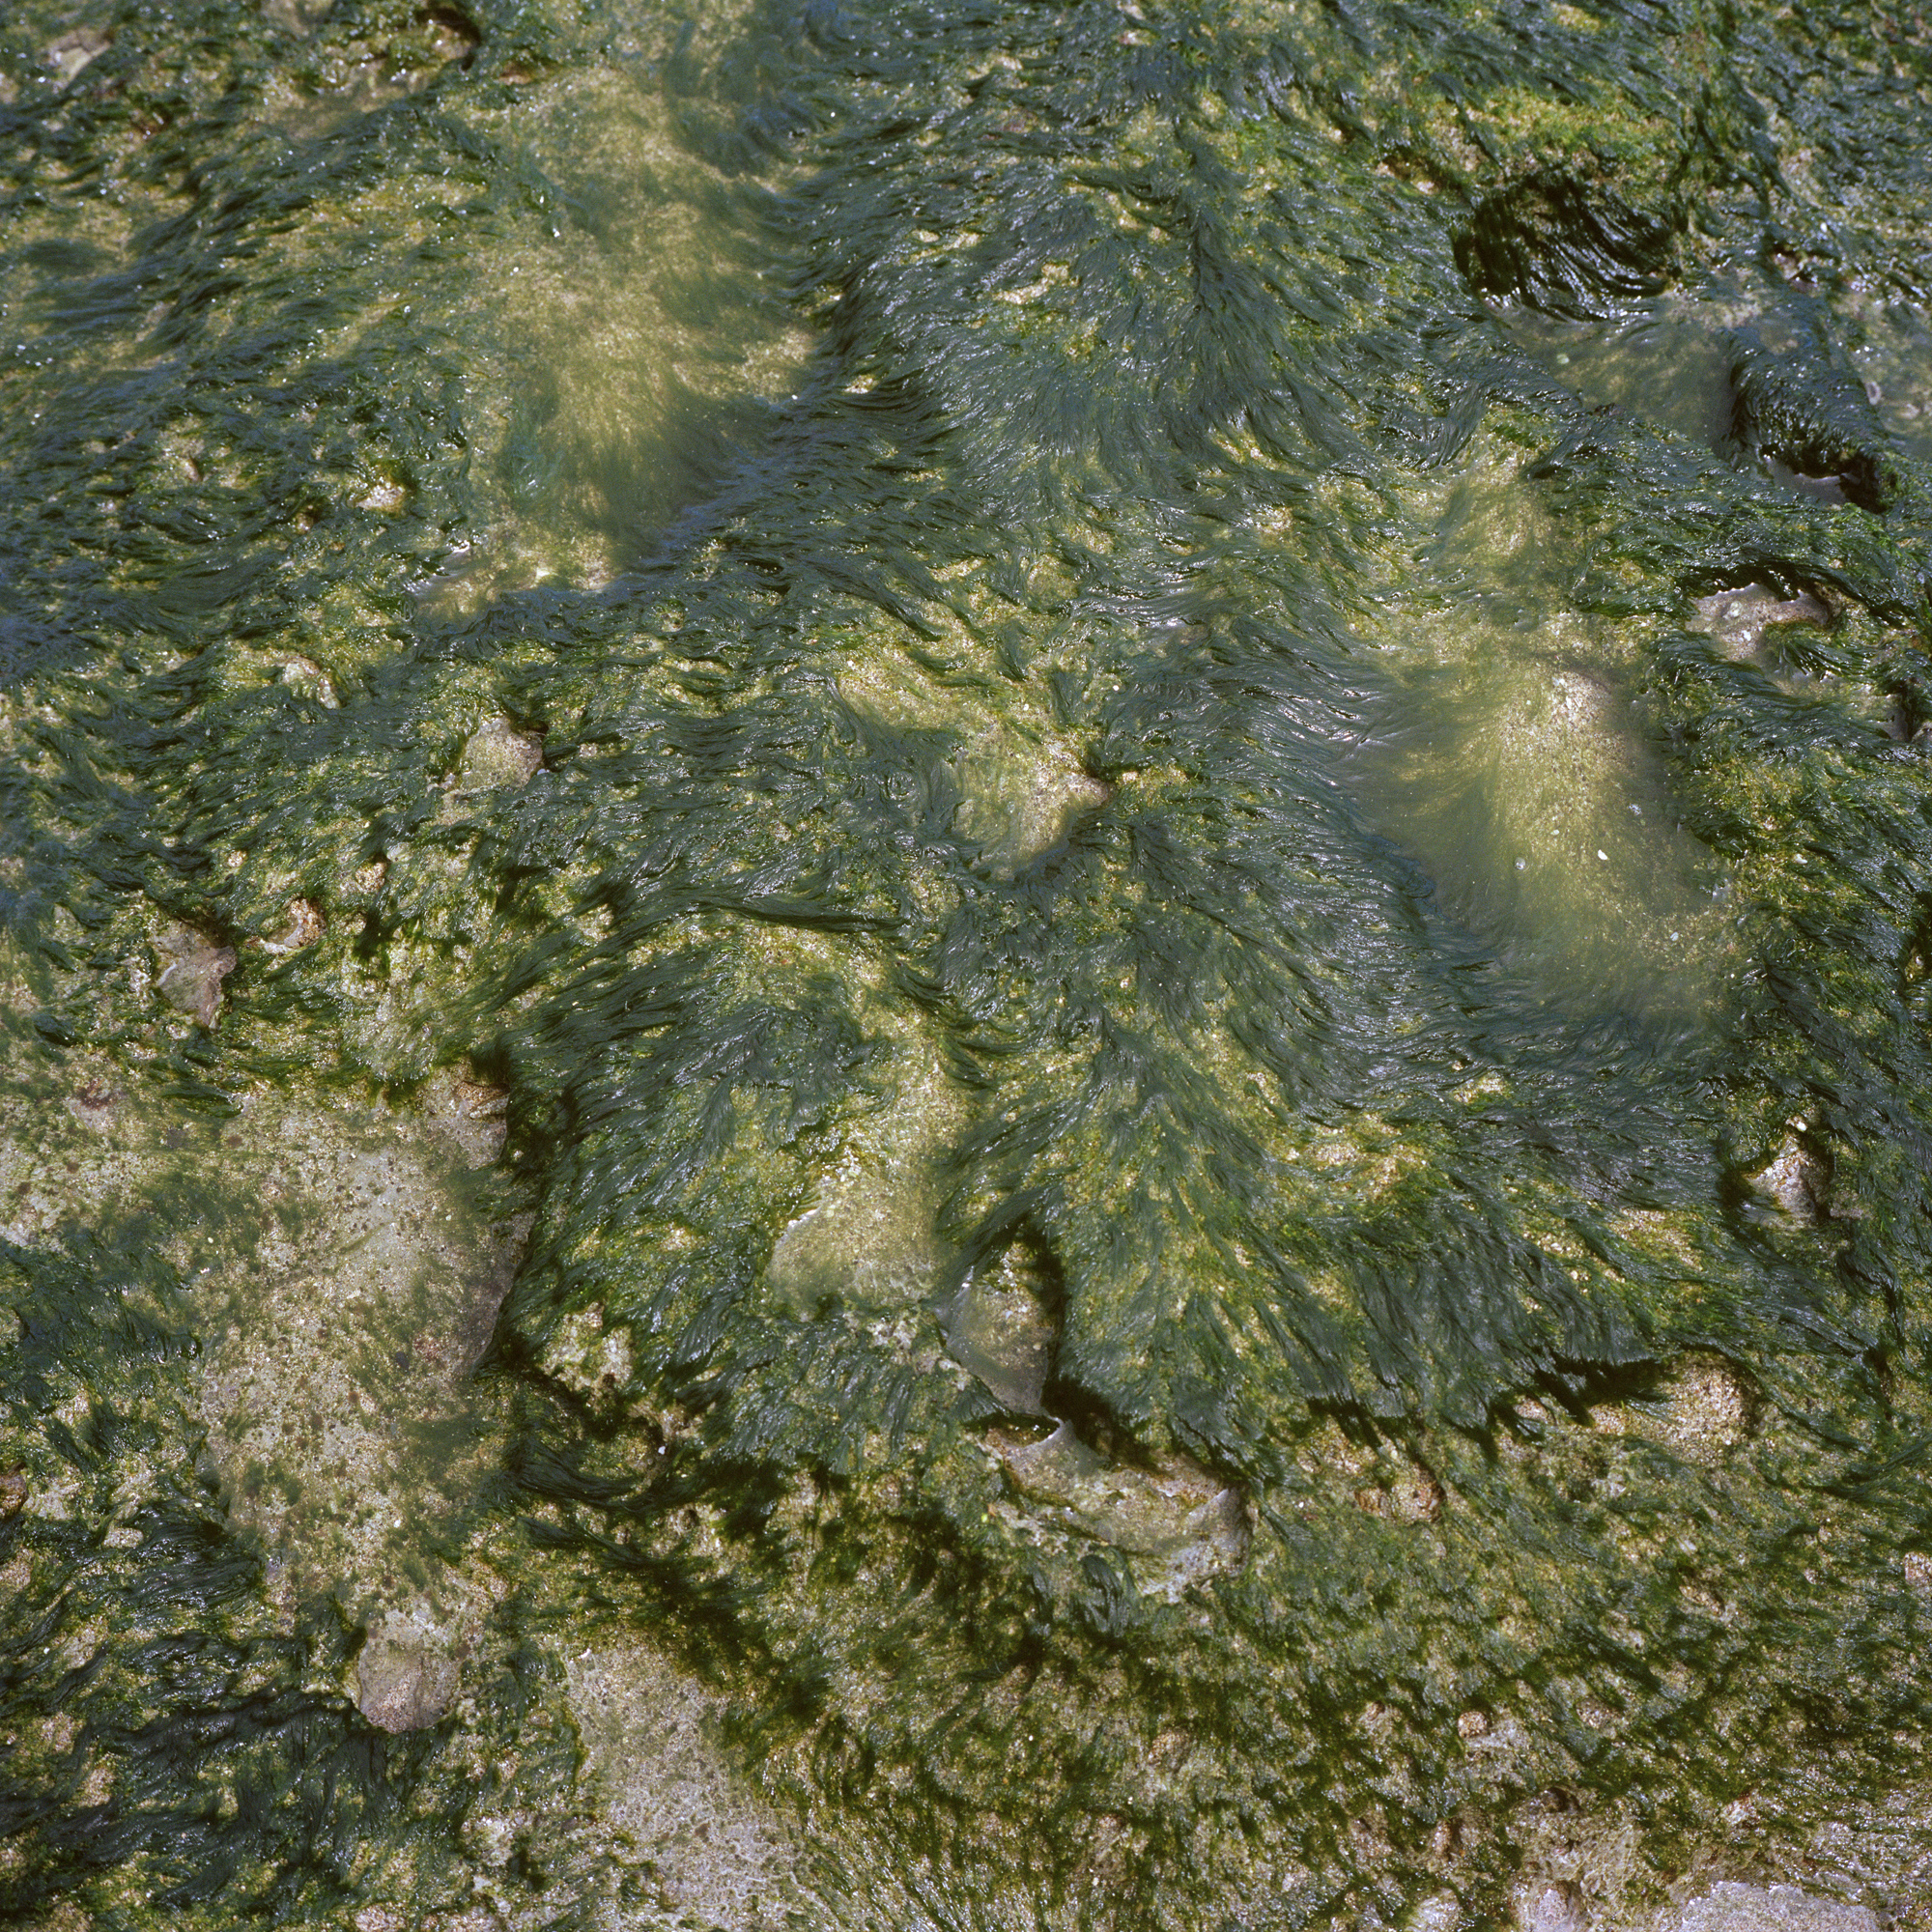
{"x":1777,"y":1908}
{"x":964,"y":966}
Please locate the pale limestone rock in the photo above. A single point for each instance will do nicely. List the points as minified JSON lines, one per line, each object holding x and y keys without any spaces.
{"x":1179,"y":1516}
{"x":1552,"y":1907}
{"x":1738,"y":619}
{"x":656,"y":1772}
{"x":1729,"y":1907}
{"x":75,"y":50}
{"x":403,"y":1680}
{"x":497,"y":754}
{"x":189,"y":971}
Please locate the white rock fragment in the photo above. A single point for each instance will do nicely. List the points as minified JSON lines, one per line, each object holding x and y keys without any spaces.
{"x":306,"y":677}
{"x":585,"y":1357}
{"x":1793,"y":1179}
{"x":1738,"y":619}
{"x":403,"y":1680}
{"x":75,"y":50}
{"x":1177,"y":1515}
{"x":1002,"y":1328}
{"x":190,"y":970}
{"x":305,"y":927}
{"x":1552,"y":1907}
{"x":497,"y":754}
{"x":1730,"y":1907}
{"x":1022,"y":799}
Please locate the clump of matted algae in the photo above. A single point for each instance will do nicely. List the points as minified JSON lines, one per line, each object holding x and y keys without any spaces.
{"x":964,"y":966}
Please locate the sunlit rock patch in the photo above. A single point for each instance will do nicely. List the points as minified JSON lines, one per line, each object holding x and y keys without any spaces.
{"x":1176,"y":1516}
{"x":658,"y":1775}
{"x":1739,"y":618}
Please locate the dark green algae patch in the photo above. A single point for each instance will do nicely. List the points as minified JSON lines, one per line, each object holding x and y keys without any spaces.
{"x":964,"y":966}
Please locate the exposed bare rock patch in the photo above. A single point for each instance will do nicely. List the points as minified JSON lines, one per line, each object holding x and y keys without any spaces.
{"x":1411,"y":1494}
{"x":75,"y":50}
{"x":1780,"y":1908}
{"x":470,"y":1116}
{"x":1388,"y":1481}
{"x":190,"y":969}
{"x":1003,"y":1328}
{"x":588,"y":1358}
{"x":384,"y":495}
{"x":306,"y":677}
{"x":1710,"y":1404}
{"x":95,"y":1105}
{"x":1022,"y":799}
{"x":1736,"y":620}
{"x":1794,"y":1179}
{"x":306,"y":924}
{"x":657,"y":1774}
{"x":1700,"y":1406}
{"x":405,"y":1681}
{"x":1552,"y":1907}
{"x":1183,"y":1519}
{"x":336,"y":1388}
{"x":497,"y":754}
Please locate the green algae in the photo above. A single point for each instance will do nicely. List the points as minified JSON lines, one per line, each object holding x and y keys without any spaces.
{"x":924,"y":646}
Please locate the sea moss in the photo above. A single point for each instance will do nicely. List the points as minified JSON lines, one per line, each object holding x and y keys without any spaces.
{"x":1222,"y":1120}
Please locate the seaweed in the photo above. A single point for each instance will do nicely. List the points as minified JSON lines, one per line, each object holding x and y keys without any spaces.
{"x":1125,"y":806}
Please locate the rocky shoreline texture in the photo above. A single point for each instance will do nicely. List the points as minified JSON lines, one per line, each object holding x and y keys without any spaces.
{"x":965,"y":965}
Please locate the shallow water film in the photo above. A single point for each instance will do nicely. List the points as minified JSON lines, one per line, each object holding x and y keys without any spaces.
{"x":965,"y":965}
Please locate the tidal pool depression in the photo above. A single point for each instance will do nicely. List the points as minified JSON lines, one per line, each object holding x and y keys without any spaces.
{"x":965,"y":965}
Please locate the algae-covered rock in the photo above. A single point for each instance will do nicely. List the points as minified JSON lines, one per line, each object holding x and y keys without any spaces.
{"x":964,"y":966}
